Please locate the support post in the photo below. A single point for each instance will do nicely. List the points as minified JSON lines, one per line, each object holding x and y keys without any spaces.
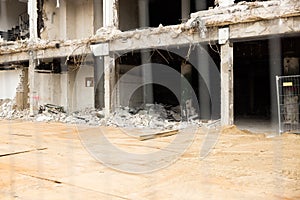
{"x":110,"y":19}
{"x":110,"y":13}
{"x":227,"y":84}
{"x":33,"y":108}
{"x":275,"y":58}
{"x":185,"y":9}
{"x":109,"y":66}
{"x":145,"y":56}
{"x":203,"y":87}
{"x":200,"y":5}
{"x":33,"y":16}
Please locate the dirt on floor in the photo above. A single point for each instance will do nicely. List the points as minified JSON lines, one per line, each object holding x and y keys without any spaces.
{"x":49,"y":161}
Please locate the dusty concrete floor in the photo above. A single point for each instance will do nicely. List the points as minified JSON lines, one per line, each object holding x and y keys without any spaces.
{"x":51,"y":163}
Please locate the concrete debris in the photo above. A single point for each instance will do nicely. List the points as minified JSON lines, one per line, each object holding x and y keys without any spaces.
{"x":154,"y":116}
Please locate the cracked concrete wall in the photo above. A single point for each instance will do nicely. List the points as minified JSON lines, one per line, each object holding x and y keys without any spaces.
{"x":71,"y":20}
{"x":67,"y":89}
{"x":52,"y":89}
{"x":83,"y":95}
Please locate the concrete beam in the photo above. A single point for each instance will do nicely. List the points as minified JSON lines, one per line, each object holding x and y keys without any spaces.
{"x":265,"y":28}
{"x":159,"y":37}
{"x":156,"y":38}
{"x":227,"y":84}
{"x":247,"y":12}
{"x":45,"y":52}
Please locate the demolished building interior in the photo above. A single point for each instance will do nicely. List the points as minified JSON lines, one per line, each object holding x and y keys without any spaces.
{"x":73,"y":53}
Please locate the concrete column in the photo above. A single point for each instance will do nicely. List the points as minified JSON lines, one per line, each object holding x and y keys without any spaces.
{"x":185,"y":9}
{"x":275,"y":58}
{"x":227,"y":84}
{"x":110,"y":13}
{"x":71,"y":92}
{"x":22,"y":90}
{"x":33,"y":16}
{"x":200,"y":5}
{"x":144,"y":13}
{"x":99,"y":82}
{"x":33,"y":107}
{"x":204,"y":98}
{"x":145,"y":56}
{"x":109,"y":64}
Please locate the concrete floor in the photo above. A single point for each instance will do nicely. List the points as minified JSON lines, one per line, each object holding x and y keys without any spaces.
{"x":257,"y":125}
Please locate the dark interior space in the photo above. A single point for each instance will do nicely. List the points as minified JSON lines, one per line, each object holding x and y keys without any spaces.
{"x":17,"y":27}
{"x":161,"y":94}
{"x":166,"y":12}
{"x":175,"y":59}
{"x":251,"y":79}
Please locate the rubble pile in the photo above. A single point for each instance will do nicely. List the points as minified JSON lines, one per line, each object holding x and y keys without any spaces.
{"x":156,"y":116}
{"x":6,"y":109}
{"x":151,"y":116}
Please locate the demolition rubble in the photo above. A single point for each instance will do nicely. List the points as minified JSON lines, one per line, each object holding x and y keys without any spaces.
{"x":153,"y":116}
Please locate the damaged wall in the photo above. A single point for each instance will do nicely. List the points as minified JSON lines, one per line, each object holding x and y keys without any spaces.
{"x":71,"y":20}
{"x":83,"y":91}
{"x":74,"y":90}
{"x":9,"y":81}
{"x":52,"y":89}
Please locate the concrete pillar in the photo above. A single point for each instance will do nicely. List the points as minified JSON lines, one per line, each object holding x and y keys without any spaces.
{"x":204,"y":98}
{"x":33,"y":108}
{"x":185,"y":9}
{"x":110,"y":19}
{"x":99,"y":82}
{"x":71,"y":91}
{"x":110,"y":13}
{"x":275,"y":58}
{"x":200,"y":5}
{"x":22,"y":90}
{"x":145,"y":56}
{"x":227,"y":84}
{"x":144,"y":13}
{"x":33,"y":16}
{"x":109,"y":66}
